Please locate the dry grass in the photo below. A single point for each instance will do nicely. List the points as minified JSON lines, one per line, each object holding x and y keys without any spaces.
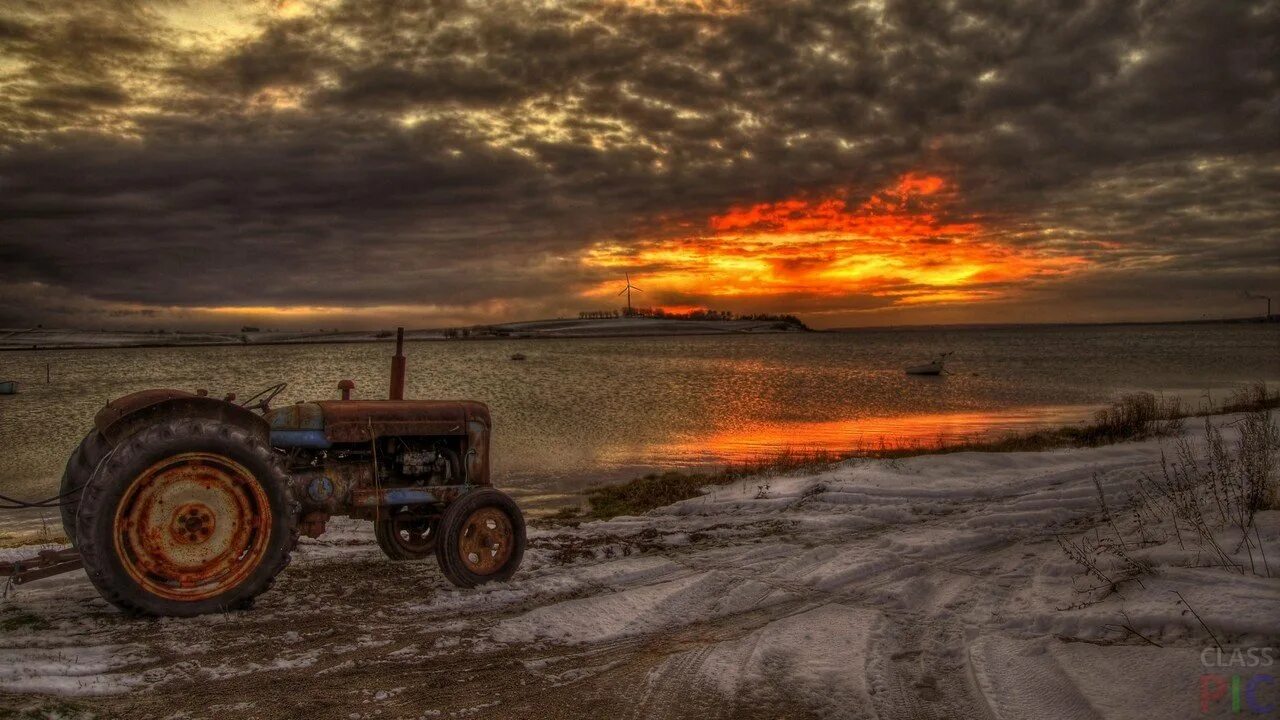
{"x":1135,"y":416}
{"x":1205,"y":498}
{"x":657,"y":490}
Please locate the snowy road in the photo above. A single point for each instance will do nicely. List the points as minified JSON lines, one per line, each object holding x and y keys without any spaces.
{"x":931,"y":587}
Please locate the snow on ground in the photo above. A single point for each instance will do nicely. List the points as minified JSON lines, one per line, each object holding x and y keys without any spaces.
{"x":927,"y":587}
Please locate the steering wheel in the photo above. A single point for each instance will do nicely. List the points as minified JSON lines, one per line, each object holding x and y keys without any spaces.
{"x":265,"y":403}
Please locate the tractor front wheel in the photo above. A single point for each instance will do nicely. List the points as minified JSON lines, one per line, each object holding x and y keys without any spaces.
{"x":186,"y":517}
{"x":481,"y":538}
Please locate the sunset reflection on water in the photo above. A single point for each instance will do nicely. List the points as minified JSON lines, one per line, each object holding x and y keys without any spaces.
{"x":756,"y":441}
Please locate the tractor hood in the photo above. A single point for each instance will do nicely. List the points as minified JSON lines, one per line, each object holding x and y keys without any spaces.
{"x":349,"y":421}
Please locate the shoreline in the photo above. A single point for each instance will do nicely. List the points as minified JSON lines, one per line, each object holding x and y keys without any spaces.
{"x":276,"y":343}
{"x":513,"y":331}
{"x":1134,"y":417}
{"x":740,"y":328}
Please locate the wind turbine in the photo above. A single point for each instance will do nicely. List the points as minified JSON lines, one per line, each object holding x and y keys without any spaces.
{"x":628,"y":290}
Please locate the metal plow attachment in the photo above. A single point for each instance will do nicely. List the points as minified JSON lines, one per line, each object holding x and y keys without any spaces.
{"x":45,"y":564}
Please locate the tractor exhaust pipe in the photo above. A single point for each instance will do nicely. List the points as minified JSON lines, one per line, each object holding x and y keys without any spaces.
{"x":397,"y":367}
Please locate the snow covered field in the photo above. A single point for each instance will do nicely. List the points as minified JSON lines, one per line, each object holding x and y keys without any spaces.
{"x":931,"y":587}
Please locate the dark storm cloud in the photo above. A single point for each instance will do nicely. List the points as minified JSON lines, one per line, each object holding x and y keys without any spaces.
{"x":451,"y":153}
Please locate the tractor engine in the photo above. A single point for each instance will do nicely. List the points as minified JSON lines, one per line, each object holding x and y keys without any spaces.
{"x":349,"y":479}
{"x":375,"y":459}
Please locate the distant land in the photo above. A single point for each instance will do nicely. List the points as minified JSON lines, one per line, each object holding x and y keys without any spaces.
{"x":58,"y":339}
{"x":50,"y":338}
{"x":1254,"y":319}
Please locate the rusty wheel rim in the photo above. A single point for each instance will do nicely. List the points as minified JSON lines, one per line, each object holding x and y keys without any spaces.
{"x":486,"y":541}
{"x":192,"y":526}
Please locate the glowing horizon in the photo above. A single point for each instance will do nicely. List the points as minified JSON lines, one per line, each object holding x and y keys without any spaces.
{"x":899,"y":244}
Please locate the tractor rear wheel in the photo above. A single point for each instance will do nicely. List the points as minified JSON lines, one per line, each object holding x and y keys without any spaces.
{"x":481,"y":539}
{"x":80,"y":466}
{"x":407,"y":537}
{"x":187,"y":517}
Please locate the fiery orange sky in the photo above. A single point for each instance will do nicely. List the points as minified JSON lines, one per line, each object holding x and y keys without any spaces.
{"x":902,"y":244}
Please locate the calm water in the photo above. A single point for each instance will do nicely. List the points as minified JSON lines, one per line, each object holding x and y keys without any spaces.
{"x":578,"y":412}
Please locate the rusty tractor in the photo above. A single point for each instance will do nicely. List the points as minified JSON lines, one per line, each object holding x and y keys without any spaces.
{"x":181,"y":504}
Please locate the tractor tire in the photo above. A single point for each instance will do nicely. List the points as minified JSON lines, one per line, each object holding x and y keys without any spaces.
{"x":481,"y":540}
{"x":187,"y":517}
{"x":80,"y":466}
{"x":407,"y":538}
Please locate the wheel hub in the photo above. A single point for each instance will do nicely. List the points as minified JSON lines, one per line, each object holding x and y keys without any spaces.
{"x":487,"y":541}
{"x":192,"y":526}
{"x":192,"y":523}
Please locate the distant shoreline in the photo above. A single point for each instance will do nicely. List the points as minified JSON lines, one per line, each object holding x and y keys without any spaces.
{"x":1252,"y":320}
{"x":69,"y":339}
{"x":17,"y":340}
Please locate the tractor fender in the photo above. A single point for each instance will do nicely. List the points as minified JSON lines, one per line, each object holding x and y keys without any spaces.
{"x":127,"y":415}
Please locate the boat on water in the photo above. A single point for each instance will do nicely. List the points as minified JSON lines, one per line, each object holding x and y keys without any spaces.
{"x":936,"y":366}
{"x":8,"y":387}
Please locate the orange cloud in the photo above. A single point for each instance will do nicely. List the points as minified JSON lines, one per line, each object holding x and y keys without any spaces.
{"x":901,"y":244}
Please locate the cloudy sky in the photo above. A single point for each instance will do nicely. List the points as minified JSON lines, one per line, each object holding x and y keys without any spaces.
{"x":433,"y":162}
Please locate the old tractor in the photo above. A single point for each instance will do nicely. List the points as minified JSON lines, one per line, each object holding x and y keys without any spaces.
{"x":179,"y":503}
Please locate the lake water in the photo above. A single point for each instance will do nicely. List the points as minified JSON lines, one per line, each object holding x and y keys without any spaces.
{"x":579,"y":412}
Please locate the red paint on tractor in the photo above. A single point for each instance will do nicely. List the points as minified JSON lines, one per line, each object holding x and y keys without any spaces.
{"x":349,"y":421}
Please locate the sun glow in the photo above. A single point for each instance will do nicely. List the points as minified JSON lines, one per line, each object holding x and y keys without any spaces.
{"x":902,"y":244}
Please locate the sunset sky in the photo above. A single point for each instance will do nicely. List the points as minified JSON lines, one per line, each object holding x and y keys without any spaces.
{"x":358,"y":164}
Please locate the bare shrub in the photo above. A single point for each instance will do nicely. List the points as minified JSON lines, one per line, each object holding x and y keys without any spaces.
{"x":1201,"y":492}
{"x":1107,"y":565}
{"x":1249,"y":398}
{"x":1135,"y":416}
{"x":1205,"y":497}
{"x":1258,"y":456}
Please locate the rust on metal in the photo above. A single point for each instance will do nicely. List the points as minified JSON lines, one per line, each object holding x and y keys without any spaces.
{"x":476,"y":458}
{"x":46,"y":563}
{"x":328,"y":488}
{"x":298,"y":416}
{"x":124,"y":416}
{"x":397,"y":369}
{"x":368,"y":497}
{"x":313,"y":523}
{"x":354,"y":421}
{"x":129,"y":404}
{"x":192,"y":526}
{"x":486,"y":541}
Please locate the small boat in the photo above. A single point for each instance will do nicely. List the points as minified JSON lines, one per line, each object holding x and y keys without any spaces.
{"x":936,"y":366}
{"x":8,"y":387}
{"x":517,"y":356}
